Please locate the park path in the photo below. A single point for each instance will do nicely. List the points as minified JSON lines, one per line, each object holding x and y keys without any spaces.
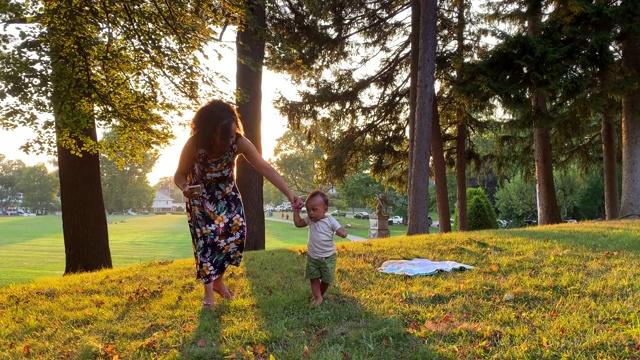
{"x":349,"y":236}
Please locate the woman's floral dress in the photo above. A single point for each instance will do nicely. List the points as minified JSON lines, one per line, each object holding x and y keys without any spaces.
{"x":216,"y":218}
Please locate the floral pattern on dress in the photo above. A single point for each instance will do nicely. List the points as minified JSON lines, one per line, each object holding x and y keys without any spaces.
{"x":216,"y":218}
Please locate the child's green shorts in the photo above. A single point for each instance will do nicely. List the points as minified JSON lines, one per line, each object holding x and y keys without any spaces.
{"x":323,"y":269}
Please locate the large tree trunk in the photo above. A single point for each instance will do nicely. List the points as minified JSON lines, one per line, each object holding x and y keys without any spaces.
{"x":548,"y":210}
{"x":440,"y":171}
{"x":461,"y":175}
{"x":608,"y":134}
{"x":630,"y":202}
{"x":250,"y":47}
{"x":461,"y":137}
{"x":84,"y":220}
{"x":413,"y":87}
{"x":419,"y":167}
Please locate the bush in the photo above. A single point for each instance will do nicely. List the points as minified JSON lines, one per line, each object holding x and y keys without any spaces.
{"x":480,"y":212}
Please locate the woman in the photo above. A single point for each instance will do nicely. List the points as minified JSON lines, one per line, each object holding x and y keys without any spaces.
{"x":214,"y":207}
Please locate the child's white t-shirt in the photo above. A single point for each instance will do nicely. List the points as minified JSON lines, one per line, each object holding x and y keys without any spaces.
{"x":321,"y":232}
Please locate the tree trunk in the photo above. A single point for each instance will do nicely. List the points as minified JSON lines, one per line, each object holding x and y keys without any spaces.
{"x":84,"y":220}
{"x":461,"y":137}
{"x":548,"y":210}
{"x":413,"y":87}
{"x":608,"y":134}
{"x":419,"y":167}
{"x":440,"y":171}
{"x":630,"y":202}
{"x":250,"y":48}
{"x":461,"y":175}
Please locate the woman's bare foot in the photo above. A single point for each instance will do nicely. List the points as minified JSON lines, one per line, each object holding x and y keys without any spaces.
{"x":224,"y":292}
{"x":208,"y":305}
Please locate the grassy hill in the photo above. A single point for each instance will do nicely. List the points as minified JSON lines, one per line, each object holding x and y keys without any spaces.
{"x":566,"y":291}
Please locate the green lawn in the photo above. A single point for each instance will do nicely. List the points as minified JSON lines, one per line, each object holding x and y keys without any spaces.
{"x":33,"y":247}
{"x":567,"y":291}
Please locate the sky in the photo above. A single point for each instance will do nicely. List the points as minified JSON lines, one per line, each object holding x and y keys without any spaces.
{"x":273,"y":126}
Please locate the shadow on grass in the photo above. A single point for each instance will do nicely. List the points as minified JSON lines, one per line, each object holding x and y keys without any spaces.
{"x":341,"y":328}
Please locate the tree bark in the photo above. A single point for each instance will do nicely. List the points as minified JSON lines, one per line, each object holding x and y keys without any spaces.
{"x":548,"y":210}
{"x":413,"y":87}
{"x":608,"y":133}
{"x":461,"y":175}
{"x":440,"y":171}
{"x":419,"y":167}
{"x":461,"y":137}
{"x":630,"y":201}
{"x":84,"y":220}
{"x":250,"y":46}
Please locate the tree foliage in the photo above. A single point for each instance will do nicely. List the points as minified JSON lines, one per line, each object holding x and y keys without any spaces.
{"x":39,"y":187}
{"x":295,"y":160}
{"x":9,"y":171}
{"x":126,"y":187}
{"x":481,"y":214}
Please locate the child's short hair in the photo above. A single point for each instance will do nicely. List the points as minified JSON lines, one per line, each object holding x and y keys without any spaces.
{"x":320,"y":193}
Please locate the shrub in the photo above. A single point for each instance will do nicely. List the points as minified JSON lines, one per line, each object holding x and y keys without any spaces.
{"x":480,"y":212}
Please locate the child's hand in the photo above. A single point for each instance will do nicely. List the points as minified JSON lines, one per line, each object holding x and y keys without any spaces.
{"x":341,"y":232}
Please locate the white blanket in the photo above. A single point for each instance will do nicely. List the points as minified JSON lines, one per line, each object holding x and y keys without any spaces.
{"x":419,"y":266}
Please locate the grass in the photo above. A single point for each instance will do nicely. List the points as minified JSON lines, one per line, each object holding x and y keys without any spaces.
{"x":33,"y":247}
{"x":567,"y":291}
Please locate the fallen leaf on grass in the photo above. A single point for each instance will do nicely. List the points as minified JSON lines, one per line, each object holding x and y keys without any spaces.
{"x":613,"y":253}
{"x":306,"y":351}
{"x":109,"y":348}
{"x":495,"y":267}
{"x":26,"y":350}
{"x":259,"y":349}
{"x":202,"y":343}
{"x":508,"y":297}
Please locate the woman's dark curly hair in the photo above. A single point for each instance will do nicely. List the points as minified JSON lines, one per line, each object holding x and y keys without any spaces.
{"x":215,"y":116}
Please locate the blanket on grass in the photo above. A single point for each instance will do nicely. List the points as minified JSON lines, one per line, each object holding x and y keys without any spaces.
{"x":419,"y":266}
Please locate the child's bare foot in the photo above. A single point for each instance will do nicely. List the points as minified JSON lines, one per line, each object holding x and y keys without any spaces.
{"x":317,"y":302}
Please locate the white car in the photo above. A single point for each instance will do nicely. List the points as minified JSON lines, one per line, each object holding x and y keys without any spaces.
{"x":396,"y":219}
{"x":28,"y":214}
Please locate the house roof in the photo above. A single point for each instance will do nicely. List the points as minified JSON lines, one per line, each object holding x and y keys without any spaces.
{"x":162,"y":196}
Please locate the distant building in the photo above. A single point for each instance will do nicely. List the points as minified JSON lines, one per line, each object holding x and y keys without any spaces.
{"x":163,"y":203}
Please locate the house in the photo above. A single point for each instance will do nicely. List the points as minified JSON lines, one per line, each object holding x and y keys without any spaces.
{"x":163,"y":203}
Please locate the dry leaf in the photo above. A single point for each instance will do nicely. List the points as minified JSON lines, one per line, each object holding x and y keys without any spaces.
{"x":306,"y":351}
{"x":495,"y":267}
{"x":109,"y":348}
{"x":202,"y":343}
{"x":508,"y":297}
{"x":259,"y":349}
{"x":27,"y":351}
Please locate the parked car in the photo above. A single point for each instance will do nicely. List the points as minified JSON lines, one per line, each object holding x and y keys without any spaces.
{"x":28,"y":214}
{"x":502,"y":224}
{"x":338,"y":213}
{"x":396,"y":219}
{"x":361,"y":215}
